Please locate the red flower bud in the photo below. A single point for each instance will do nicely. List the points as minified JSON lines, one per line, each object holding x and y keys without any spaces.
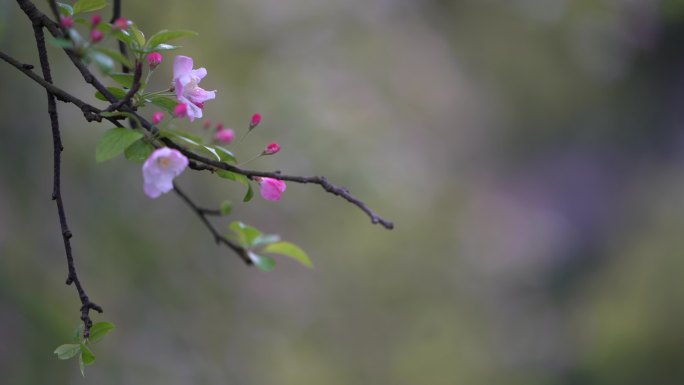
{"x":271,"y":149}
{"x":96,"y":35}
{"x":256,"y":119}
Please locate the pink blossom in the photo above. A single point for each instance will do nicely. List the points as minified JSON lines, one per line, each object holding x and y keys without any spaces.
{"x":120,"y":23}
{"x":157,"y":117}
{"x":225,"y":135}
{"x":186,"y":81}
{"x":159,"y":170}
{"x":256,"y":119}
{"x":181,"y":110}
{"x":95,"y":19}
{"x":154,"y":59}
{"x":272,"y":189}
{"x":96,"y":35}
{"x":66,"y":22}
{"x":271,"y":149}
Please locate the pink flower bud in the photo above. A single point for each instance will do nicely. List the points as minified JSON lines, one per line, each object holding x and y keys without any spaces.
{"x":95,"y":19}
{"x":225,"y":135}
{"x":66,"y":22}
{"x":256,"y":119}
{"x":120,"y":23}
{"x":271,"y":189}
{"x":154,"y":59}
{"x":219,"y":126}
{"x":96,"y":35}
{"x":271,"y":149}
{"x":206,"y":124}
{"x":181,"y":110}
{"x":157,"y":117}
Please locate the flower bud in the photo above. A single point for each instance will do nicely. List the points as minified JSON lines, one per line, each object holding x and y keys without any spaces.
{"x":66,"y":22}
{"x":271,"y":149}
{"x":120,"y":23}
{"x":224,"y":135}
{"x":95,"y":20}
{"x":154,"y":59}
{"x":181,"y":110}
{"x":256,"y":119}
{"x":157,"y":117}
{"x":96,"y":35}
{"x":206,"y":123}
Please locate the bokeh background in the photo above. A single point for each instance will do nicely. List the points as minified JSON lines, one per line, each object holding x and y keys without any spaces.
{"x":531,"y":153}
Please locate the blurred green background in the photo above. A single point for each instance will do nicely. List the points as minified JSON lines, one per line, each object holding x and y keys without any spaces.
{"x":531,"y":153}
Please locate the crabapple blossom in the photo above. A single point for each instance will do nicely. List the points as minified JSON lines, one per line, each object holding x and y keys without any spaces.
{"x":181,"y":110}
{"x":154,"y":59}
{"x":225,"y":135}
{"x":120,"y":23}
{"x":96,"y":35}
{"x":95,"y":19}
{"x":256,"y":119}
{"x":157,"y":117}
{"x":271,"y":189}
{"x":160,"y":168}
{"x":66,"y":22}
{"x":271,"y":149}
{"x":186,"y":82}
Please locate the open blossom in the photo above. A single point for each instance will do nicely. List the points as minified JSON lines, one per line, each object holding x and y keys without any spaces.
{"x":186,"y":81}
{"x":159,"y":170}
{"x":225,"y":135}
{"x":271,"y":189}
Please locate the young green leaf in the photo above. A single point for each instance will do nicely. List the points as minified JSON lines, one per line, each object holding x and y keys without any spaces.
{"x":138,"y":36}
{"x":103,"y":61}
{"x":78,"y":333}
{"x":114,"y":55}
{"x":226,"y":156}
{"x":162,"y":47}
{"x":139,"y":151}
{"x":117,"y":92}
{"x":99,"y":330}
{"x":65,"y":9}
{"x":262,"y":262}
{"x":164,"y":102}
{"x":88,"y":6}
{"x":210,"y":150}
{"x":265,"y":239}
{"x":246,"y":234}
{"x":125,"y":79}
{"x":61,"y":43}
{"x":164,"y":36}
{"x":289,"y":250}
{"x":238,"y":178}
{"x":86,"y":355}
{"x":66,"y":351}
{"x":226,"y":207}
{"x":81,"y":365}
{"x":113,"y":142}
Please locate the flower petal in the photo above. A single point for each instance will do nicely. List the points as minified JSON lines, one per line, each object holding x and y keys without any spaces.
{"x":199,"y":73}
{"x":182,"y":65}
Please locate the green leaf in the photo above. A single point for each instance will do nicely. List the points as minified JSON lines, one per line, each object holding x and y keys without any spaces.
{"x":103,"y":61}
{"x":164,"y":36}
{"x":113,"y":142}
{"x":78,"y":333}
{"x":115,"y":55}
{"x":124,"y":36}
{"x":162,"y":47}
{"x":88,"y":5}
{"x":262,"y":262}
{"x":226,"y":207}
{"x":81,"y":365}
{"x":265,"y":239}
{"x":289,"y":250}
{"x":139,"y":151}
{"x":125,"y":79}
{"x":117,"y":92}
{"x":65,"y":9}
{"x":238,"y":178}
{"x":60,"y":42}
{"x":164,"y":102}
{"x":246,"y":234}
{"x":138,"y":36}
{"x":226,"y":156}
{"x":99,"y":330}
{"x":86,"y":355}
{"x":66,"y":351}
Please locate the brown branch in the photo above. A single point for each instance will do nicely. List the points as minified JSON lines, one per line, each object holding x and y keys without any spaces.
{"x":116,"y":13}
{"x":135,"y":87}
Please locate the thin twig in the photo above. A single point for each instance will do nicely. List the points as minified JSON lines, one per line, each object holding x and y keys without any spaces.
{"x":72,"y":277}
{"x":125,"y":101}
{"x":116,"y":13}
{"x":202,"y":214}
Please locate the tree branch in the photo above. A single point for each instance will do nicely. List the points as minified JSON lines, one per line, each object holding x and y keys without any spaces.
{"x":202,"y":214}
{"x":72,"y":277}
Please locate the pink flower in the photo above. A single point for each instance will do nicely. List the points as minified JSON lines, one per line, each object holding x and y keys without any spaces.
{"x":186,"y":81}
{"x":120,"y":23}
{"x":154,"y":59}
{"x":66,"y":22}
{"x":157,"y":117}
{"x":256,"y":119}
{"x":225,"y":135}
{"x":95,"y":19}
{"x":271,"y":189}
{"x":96,"y":35}
{"x":181,"y":110}
{"x":271,"y":149}
{"x":159,"y":170}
